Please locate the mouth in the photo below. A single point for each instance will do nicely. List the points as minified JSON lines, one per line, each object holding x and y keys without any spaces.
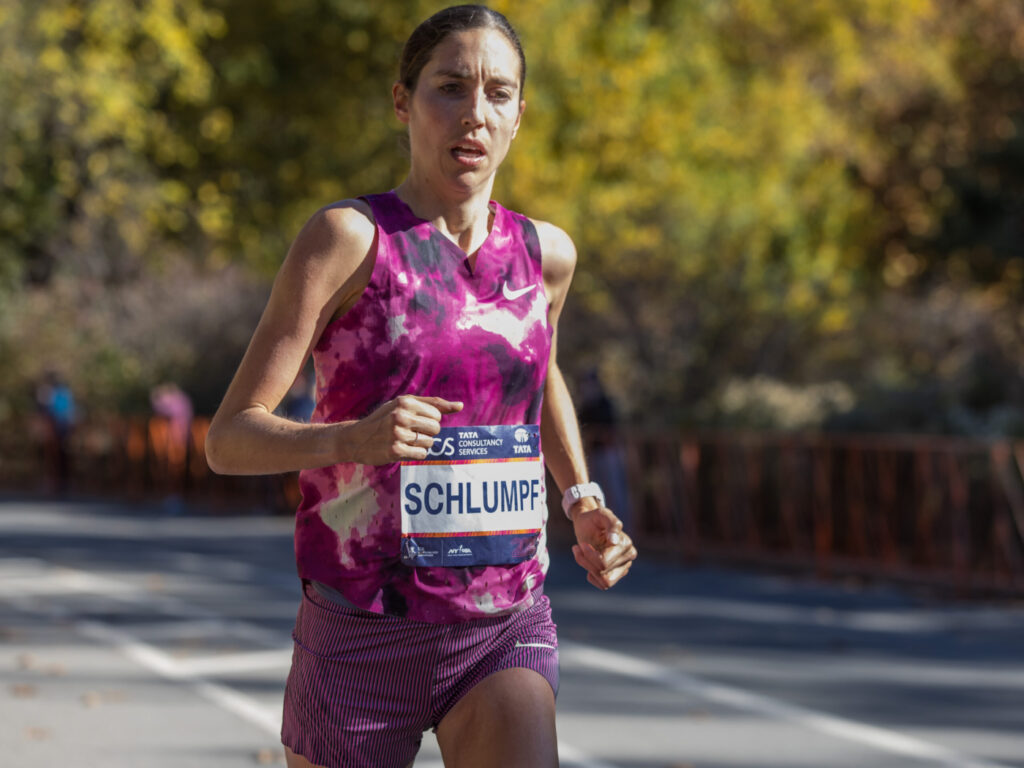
{"x":468,"y":151}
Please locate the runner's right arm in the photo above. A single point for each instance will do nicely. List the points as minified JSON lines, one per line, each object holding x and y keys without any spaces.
{"x":323,"y":275}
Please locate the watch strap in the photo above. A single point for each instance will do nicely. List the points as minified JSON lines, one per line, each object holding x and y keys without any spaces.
{"x":576,"y":492}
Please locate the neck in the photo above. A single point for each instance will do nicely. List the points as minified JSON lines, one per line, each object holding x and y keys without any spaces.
{"x":462,"y":215}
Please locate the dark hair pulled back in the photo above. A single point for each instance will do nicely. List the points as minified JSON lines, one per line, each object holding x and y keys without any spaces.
{"x":458,"y":18}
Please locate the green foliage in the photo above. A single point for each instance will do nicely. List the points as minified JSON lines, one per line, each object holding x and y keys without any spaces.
{"x":744,"y":178}
{"x":751,"y":186}
{"x":87,"y":145}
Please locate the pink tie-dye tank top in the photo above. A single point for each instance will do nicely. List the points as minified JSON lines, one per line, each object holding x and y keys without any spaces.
{"x":426,"y":324}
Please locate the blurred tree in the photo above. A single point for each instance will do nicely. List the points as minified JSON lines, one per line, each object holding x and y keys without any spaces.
{"x":743,"y":179}
{"x":89,"y":154}
{"x":89,"y":165}
{"x":300,"y":115}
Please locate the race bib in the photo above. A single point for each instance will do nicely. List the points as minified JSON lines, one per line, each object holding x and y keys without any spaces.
{"x":478,"y":498}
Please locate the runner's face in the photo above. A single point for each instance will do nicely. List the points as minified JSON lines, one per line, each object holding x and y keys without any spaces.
{"x":466,"y":107}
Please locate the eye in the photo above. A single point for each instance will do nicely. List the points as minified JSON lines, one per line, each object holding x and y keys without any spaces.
{"x":450,"y":87}
{"x":501,"y":95}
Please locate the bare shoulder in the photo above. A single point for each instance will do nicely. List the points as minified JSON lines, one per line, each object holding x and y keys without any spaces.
{"x":333,"y":248}
{"x":344,"y":229}
{"x":557,"y":251}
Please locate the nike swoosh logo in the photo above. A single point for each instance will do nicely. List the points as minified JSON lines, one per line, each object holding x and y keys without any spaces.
{"x":512,"y":295}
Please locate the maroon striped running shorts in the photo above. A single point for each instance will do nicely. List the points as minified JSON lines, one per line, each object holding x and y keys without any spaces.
{"x":364,"y":686}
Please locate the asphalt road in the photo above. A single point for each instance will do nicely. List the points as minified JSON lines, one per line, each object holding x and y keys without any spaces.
{"x":130,"y":637}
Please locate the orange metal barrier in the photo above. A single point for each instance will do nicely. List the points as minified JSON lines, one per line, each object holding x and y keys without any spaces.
{"x":946,"y":510}
{"x":942,"y":510}
{"x":139,"y":459}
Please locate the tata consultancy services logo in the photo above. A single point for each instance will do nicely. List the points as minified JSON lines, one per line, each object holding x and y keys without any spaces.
{"x":522,"y":435}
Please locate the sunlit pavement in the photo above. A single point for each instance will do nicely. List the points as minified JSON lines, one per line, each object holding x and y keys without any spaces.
{"x":132,"y":638}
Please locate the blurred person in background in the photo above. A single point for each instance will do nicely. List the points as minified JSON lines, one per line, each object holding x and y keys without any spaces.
{"x":301,"y":399}
{"x":431,"y":313}
{"x":56,"y":404}
{"x":600,"y":422}
{"x":172,"y":404}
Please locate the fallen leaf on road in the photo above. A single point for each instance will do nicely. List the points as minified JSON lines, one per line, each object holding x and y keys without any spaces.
{"x":23,"y":691}
{"x":37,"y":734}
{"x":155,"y":583}
{"x":268,"y":756}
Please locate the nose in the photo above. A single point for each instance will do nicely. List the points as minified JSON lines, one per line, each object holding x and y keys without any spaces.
{"x":474,"y":109}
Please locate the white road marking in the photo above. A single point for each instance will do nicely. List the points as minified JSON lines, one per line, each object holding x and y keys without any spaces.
{"x":195,"y":672}
{"x":882,"y":739}
{"x":223,"y":664}
{"x":570,"y":755}
{"x":900,"y":620}
{"x":64,"y":580}
{"x":158,"y":662}
{"x":245,"y":707}
{"x":71,"y":581}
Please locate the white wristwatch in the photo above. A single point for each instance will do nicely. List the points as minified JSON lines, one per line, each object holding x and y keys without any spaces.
{"x":577,"y":492}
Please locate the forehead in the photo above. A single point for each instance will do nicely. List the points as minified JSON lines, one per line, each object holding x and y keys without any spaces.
{"x":476,"y":52}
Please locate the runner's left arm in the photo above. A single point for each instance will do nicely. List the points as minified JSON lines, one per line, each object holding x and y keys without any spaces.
{"x":602,"y":548}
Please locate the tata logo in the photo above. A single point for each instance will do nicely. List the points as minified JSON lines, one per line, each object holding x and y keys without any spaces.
{"x":446,"y":447}
{"x":460,"y":551}
{"x":522,"y":435}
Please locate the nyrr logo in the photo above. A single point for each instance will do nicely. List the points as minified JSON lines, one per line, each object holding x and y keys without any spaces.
{"x":460,"y":551}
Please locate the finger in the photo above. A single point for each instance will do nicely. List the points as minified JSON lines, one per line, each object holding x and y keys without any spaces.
{"x":410,"y":444}
{"x":608,"y":578}
{"x":612,"y":557}
{"x":595,"y":575}
{"x":410,"y":451}
{"x":593,"y":558}
{"x":608,"y":553}
{"x":582,"y":562}
{"x":410,"y":408}
{"x":612,"y":577}
{"x":426,"y":426}
{"x":610,"y":526}
{"x":404,"y":435}
{"x":627,"y":556}
{"x":578,"y":556}
{"x":442,"y":405}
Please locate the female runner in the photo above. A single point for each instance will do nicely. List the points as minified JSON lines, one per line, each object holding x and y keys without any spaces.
{"x":431,"y":314}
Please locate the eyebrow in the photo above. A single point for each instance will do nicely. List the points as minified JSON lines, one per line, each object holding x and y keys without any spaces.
{"x":465,"y":74}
